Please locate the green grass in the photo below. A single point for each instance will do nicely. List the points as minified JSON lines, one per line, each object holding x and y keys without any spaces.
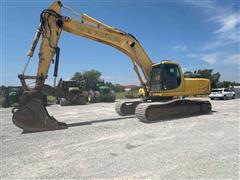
{"x":120,"y":95}
{"x":131,"y":94}
{"x":51,"y":99}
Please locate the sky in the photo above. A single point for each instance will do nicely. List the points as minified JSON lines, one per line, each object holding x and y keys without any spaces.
{"x":196,"y":34}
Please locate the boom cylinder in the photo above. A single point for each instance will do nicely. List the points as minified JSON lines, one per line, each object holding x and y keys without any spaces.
{"x":35,"y":41}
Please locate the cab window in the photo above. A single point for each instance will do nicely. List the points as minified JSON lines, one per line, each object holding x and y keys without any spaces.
{"x":156,"y":74}
{"x":155,"y":83}
{"x":171,"y":77}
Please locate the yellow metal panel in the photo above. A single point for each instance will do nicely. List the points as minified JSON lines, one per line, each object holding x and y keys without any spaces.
{"x":50,"y":37}
{"x":196,"y":86}
{"x":188,"y":87}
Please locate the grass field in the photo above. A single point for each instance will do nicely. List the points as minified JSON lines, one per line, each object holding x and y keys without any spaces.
{"x":123,"y":95}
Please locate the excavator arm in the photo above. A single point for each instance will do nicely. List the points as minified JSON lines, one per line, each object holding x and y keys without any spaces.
{"x":32,"y":115}
{"x":53,"y":23}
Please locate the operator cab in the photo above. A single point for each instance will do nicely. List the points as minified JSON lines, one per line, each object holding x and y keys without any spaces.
{"x":165,"y":76}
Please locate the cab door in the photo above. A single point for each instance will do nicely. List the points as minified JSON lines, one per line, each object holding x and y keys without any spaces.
{"x":171,"y":78}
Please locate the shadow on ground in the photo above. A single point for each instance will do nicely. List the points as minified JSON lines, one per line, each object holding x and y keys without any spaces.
{"x":98,"y":121}
{"x":116,"y":119}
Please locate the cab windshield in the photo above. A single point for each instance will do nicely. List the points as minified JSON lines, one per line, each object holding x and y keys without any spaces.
{"x":165,"y":77}
{"x":156,"y":74}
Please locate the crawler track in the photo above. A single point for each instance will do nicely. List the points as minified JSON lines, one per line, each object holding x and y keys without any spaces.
{"x":151,"y":112}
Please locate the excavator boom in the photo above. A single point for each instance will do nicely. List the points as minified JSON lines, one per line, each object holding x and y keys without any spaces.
{"x":52,"y":24}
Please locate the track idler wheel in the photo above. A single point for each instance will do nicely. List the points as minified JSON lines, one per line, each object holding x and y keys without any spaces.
{"x":126,"y":108}
{"x":33,"y":117}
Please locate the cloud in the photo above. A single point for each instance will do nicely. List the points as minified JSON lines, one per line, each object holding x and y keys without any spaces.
{"x":181,"y":47}
{"x":214,"y":44}
{"x":193,"y":55}
{"x":220,"y":58}
{"x":211,"y":58}
{"x":227,"y":21}
{"x":106,"y":77}
{"x":234,"y":59}
{"x":227,"y":33}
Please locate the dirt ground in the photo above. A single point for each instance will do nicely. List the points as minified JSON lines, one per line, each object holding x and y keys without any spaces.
{"x":101,"y":144}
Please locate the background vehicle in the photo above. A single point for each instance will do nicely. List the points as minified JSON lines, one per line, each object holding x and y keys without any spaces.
{"x":101,"y":93}
{"x":74,"y":93}
{"x":162,"y":84}
{"x":222,"y":93}
{"x":10,"y":95}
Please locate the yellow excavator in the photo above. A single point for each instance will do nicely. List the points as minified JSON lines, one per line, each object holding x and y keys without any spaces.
{"x":163,"y":83}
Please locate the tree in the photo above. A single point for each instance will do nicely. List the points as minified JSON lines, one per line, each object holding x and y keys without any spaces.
{"x":226,"y":84}
{"x":208,"y":74}
{"x":110,"y":85}
{"x":119,"y":88}
{"x":115,"y":87}
{"x":204,"y":73}
{"x":90,"y":77}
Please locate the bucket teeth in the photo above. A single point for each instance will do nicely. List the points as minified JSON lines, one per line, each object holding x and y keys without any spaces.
{"x":33,"y":117}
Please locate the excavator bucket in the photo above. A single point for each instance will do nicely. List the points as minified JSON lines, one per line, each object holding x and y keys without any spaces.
{"x":33,"y":117}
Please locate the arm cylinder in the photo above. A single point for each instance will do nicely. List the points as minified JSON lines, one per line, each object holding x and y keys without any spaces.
{"x":56,"y":66}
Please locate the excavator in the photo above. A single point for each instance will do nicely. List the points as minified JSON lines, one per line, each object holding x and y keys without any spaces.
{"x":163,"y":83}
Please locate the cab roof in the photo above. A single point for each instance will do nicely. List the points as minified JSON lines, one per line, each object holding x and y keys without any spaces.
{"x":164,"y":62}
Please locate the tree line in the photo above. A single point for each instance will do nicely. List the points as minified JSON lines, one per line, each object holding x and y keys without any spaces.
{"x":93,"y":76}
{"x":213,"y":77}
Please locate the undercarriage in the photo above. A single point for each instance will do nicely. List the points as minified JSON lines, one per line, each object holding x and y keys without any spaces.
{"x":148,"y":112}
